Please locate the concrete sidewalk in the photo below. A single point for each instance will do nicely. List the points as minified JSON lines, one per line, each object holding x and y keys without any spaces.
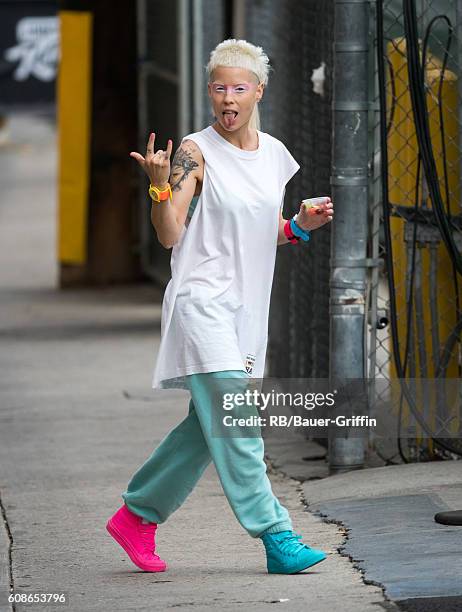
{"x":388,"y":516}
{"x":78,"y":416}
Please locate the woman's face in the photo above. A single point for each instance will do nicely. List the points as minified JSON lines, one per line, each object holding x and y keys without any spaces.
{"x":233,"y":93}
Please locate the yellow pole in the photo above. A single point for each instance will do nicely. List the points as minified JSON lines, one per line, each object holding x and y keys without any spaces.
{"x":74,"y":126}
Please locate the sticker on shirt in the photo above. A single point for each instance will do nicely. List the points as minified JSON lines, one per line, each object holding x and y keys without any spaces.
{"x":249,"y":362}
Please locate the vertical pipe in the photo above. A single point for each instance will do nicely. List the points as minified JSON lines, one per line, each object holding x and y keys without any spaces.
{"x":420,"y":331}
{"x":419,"y":314}
{"x":142,"y":34}
{"x":349,"y":182}
{"x":409,"y":358}
{"x":184,"y":82}
{"x":239,"y":14}
{"x":441,"y":401}
{"x":433,"y":289}
{"x":198,"y":71}
{"x":143,"y":127}
{"x":458,"y":4}
{"x":375,"y":206}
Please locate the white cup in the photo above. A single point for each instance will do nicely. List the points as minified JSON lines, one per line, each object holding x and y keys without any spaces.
{"x":316,"y":201}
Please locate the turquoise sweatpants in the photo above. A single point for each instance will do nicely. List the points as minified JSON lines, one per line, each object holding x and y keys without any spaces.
{"x":169,"y":475}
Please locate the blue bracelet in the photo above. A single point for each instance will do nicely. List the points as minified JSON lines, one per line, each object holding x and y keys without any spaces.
{"x":298,"y":231}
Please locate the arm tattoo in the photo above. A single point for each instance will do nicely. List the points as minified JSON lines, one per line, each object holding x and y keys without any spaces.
{"x":183,"y":164}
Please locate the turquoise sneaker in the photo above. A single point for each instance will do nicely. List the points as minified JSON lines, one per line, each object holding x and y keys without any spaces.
{"x":285,"y":554}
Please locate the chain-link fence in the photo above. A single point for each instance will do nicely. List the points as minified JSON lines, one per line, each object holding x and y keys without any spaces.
{"x":422,"y":50}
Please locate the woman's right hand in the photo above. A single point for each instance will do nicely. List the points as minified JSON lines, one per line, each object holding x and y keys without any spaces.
{"x":156,"y":165}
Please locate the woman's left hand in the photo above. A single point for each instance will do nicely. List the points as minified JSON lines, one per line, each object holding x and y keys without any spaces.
{"x":309,"y":221}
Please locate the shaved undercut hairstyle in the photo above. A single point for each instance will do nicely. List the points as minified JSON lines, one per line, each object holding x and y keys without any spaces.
{"x":234,"y":53}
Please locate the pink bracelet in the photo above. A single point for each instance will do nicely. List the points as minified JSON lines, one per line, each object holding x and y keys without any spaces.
{"x":288,"y":232}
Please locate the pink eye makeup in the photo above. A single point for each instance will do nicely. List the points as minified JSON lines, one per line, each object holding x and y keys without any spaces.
{"x":219,"y":88}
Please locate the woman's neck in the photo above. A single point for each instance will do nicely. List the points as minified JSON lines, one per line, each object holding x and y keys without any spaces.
{"x":244,"y":138}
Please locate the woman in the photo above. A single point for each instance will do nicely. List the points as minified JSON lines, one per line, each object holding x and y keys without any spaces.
{"x":215,"y":308}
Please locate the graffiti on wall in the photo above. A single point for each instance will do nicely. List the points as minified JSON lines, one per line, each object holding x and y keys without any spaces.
{"x":36,"y":50}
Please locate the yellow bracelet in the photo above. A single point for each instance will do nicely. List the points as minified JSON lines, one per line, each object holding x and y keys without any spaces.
{"x":159,"y":195}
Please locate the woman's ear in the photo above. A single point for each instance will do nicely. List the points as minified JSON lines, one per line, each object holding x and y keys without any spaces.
{"x":260,"y":91}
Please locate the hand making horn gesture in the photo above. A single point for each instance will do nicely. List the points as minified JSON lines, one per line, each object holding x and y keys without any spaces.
{"x":156,"y":165}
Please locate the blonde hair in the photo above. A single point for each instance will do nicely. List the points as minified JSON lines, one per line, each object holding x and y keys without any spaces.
{"x":241,"y":54}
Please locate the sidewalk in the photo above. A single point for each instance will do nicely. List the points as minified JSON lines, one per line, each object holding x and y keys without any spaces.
{"x":388,"y":516}
{"x":78,"y":416}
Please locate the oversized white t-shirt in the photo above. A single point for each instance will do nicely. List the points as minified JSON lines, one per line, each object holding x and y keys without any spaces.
{"x":216,"y":305}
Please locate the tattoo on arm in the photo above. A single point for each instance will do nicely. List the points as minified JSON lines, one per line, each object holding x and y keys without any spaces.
{"x":183,"y":164}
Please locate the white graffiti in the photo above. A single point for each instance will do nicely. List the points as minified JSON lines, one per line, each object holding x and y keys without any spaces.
{"x":36,"y":49}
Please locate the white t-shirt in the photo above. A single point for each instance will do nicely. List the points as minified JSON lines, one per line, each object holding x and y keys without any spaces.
{"x":216,"y":305}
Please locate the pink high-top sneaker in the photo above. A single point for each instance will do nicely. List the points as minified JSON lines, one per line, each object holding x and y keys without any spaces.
{"x":136,"y":538}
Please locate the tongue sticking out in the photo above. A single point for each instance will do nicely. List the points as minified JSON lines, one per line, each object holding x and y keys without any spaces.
{"x":229,"y":119}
